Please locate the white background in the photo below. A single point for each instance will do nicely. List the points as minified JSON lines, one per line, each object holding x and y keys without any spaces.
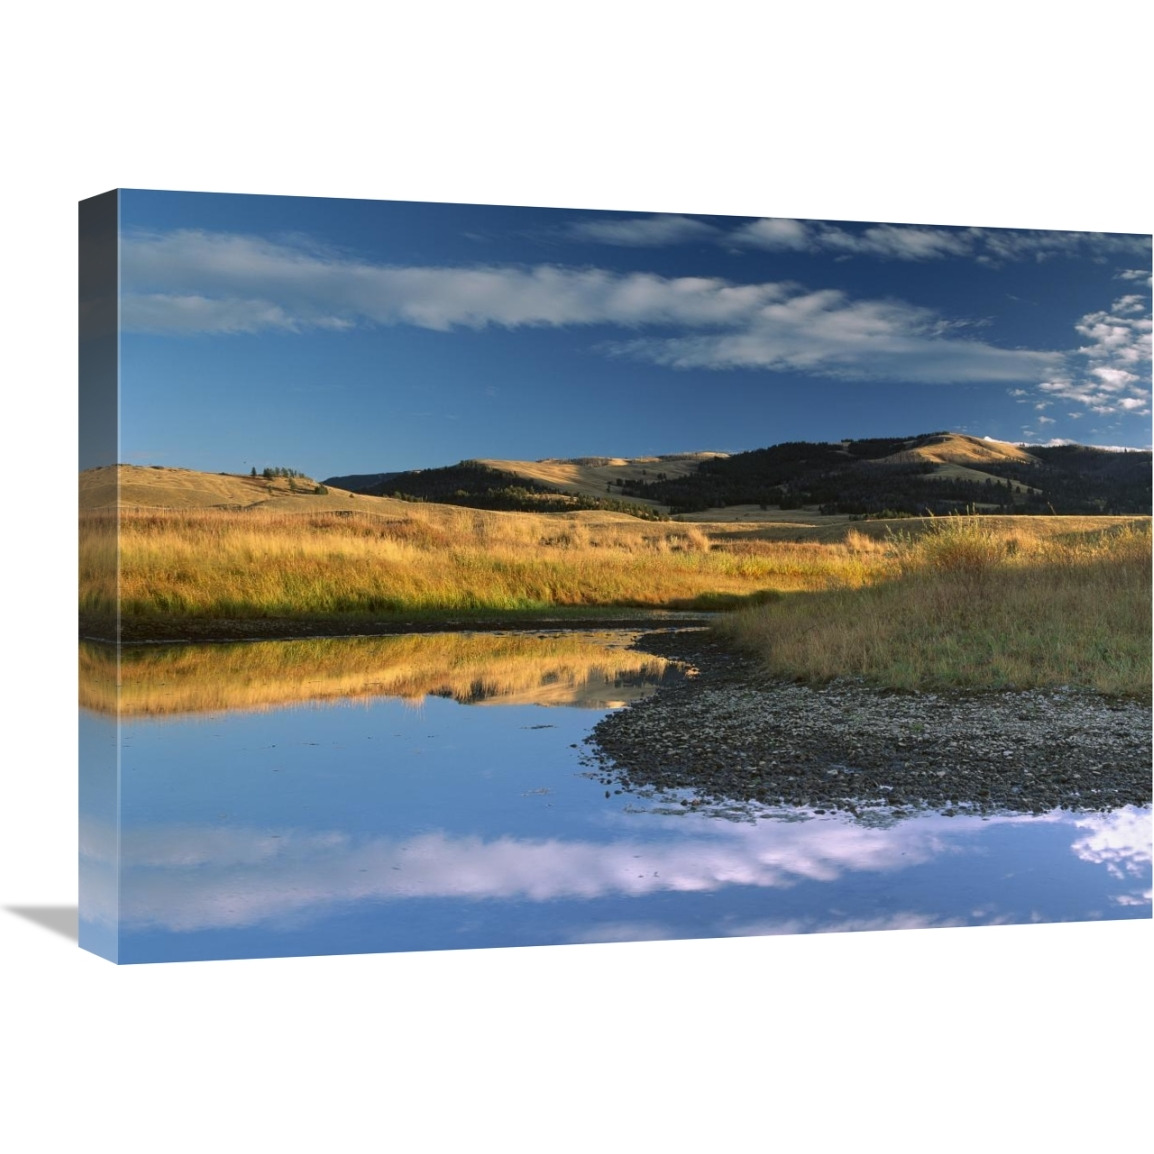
{"x":1030,"y":1037}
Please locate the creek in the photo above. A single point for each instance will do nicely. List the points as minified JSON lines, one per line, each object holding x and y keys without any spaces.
{"x":436,"y":791}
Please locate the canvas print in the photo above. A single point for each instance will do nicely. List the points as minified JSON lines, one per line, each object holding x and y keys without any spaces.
{"x":459,"y":576}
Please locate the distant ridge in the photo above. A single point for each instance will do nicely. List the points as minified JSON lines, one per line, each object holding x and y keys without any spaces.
{"x":934,"y":473}
{"x":930,"y":473}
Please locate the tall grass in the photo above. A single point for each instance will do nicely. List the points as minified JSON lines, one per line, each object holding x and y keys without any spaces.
{"x":965,"y":605}
{"x":970,"y":601}
{"x":244,"y":565}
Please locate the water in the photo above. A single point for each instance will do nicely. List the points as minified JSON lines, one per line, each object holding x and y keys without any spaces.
{"x":429,"y":793}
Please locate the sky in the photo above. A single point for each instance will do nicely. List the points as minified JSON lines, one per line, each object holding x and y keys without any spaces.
{"x":340,"y":336}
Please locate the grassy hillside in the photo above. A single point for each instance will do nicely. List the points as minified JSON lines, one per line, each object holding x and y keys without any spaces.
{"x":161,"y":486}
{"x":475,"y":485}
{"x":931,"y":474}
{"x":935,"y":473}
{"x":598,"y":476}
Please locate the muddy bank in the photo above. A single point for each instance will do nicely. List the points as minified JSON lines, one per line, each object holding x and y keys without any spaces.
{"x":731,"y":732}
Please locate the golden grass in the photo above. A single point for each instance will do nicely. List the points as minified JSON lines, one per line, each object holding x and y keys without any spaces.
{"x":139,"y":486}
{"x":961,"y":449}
{"x":971,"y":601}
{"x":569,"y":668}
{"x":968,"y":603}
{"x":591,"y":475}
{"x":257,"y":563}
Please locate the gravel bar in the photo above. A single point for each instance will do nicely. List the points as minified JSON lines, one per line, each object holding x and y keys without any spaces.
{"x":729,"y":732}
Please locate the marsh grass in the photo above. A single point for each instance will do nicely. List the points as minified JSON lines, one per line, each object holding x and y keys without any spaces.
{"x":182,"y":564}
{"x":965,"y":605}
{"x":974,"y":601}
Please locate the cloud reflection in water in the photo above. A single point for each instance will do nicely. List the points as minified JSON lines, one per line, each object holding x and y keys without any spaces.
{"x":197,"y":877}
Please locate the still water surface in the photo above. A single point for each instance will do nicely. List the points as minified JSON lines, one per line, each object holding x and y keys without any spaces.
{"x":364,"y":795}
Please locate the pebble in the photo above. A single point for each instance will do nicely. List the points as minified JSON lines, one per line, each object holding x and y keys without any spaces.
{"x":732,"y":733}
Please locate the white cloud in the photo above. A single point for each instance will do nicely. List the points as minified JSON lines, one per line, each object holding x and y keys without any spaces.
{"x":1130,"y":305}
{"x":902,"y":242}
{"x":1113,"y":379}
{"x":642,"y":231}
{"x":774,"y":234}
{"x":1110,"y":372}
{"x":898,"y":242}
{"x":191,"y":313}
{"x":172,"y":278}
{"x":1139,"y":898}
{"x":828,"y":334}
{"x":190,"y":281}
{"x":1117,"y":354}
{"x":1116,"y":337}
{"x":922,"y":242}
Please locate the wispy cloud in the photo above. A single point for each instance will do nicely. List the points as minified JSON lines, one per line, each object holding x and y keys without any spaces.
{"x":828,"y":334}
{"x":191,"y":281}
{"x":776,"y":234}
{"x":193,"y":313}
{"x":172,"y":278}
{"x":642,"y":231}
{"x":904,"y":242}
{"x":920,"y":243}
{"x":899,"y":242}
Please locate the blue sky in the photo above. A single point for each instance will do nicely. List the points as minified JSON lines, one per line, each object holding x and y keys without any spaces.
{"x":347,"y":336}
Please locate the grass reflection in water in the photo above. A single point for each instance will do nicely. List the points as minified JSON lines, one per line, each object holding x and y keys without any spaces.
{"x":595,"y":670}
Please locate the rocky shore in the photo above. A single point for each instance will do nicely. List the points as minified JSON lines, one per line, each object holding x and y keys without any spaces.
{"x":731,"y":733}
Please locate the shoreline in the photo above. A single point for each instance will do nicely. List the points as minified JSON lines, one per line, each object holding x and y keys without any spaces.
{"x":733,"y":733}
{"x":217,"y":630}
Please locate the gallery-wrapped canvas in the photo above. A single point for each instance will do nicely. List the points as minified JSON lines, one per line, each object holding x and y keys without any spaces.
{"x":460,"y":576}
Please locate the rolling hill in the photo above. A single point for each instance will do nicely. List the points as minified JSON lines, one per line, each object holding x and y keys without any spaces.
{"x":164,"y":488}
{"x":502,"y":485}
{"x":933,"y":473}
{"x":161,"y":486}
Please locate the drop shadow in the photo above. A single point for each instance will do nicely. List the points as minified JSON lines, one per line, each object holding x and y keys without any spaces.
{"x":63,"y":920}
